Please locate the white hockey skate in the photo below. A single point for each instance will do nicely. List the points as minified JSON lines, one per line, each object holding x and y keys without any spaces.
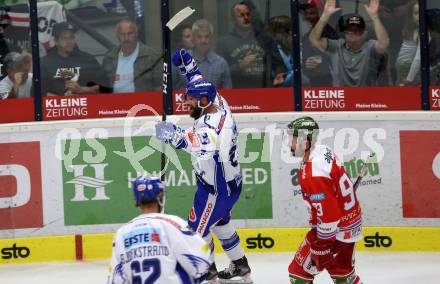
{"x":237,"y":272}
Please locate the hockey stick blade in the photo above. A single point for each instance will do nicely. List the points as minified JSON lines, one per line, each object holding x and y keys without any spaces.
{"x":179,"y":17}
{"x":364,"y":169}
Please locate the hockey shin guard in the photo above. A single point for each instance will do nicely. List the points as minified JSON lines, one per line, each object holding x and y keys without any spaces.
{"x":230,"y":241}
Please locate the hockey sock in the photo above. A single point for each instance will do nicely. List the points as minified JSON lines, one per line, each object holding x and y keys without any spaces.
{"x":298,"y":280}
{"x":352,"y":278}
{"x":230,"y":241}
{"x":210,"y":241}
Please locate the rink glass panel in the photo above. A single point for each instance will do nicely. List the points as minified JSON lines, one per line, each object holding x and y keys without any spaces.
{"x":240,"y":86}
{"x":96,"y":34}
{"x":391,"y":84}
{"x":433,"y":25}
{"x":15,"y":37}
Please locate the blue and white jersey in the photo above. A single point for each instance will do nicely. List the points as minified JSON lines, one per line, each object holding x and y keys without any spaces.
{"x":158,"y":248}
{"x":212,"y":141}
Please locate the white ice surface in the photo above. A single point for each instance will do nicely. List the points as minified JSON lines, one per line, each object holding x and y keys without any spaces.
{"x":373,"y":268}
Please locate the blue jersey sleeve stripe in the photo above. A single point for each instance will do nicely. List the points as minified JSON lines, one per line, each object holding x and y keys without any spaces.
{"x":220,"y":185}
{"x":183,"y":275}
{"x":182,"y":144}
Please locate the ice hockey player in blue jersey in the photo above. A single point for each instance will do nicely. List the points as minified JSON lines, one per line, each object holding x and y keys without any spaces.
{"x":212,"y":141}
{"x":155,"y":247}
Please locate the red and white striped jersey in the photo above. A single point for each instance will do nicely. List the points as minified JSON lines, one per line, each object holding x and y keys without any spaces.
{"x":329,"y":194}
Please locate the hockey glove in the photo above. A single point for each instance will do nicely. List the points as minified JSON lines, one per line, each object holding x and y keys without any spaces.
{"x":170,"y":134}
{"x":186,"y":64}
{"x":322,"y":253}
{"x":165,"y":131}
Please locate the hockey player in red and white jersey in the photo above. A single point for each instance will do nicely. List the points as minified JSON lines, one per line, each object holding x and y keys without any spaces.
{"x":155,"y":247}
{"x":335,"y":213}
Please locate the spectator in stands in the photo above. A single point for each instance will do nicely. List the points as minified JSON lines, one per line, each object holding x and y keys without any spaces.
{"x":242,"y":50}
{"x":132,"y":66}
{"x":391,"y":13}
{"x":356,"y":61}
{"x":281,"y":53}
{"x":186,"y":41}
{"x":315,"y":63}
{"x":433,"y":26}
{"x":18,"y":80}
{"x":66,"y":70}
{"x":408,"y":60}
{"x":5,"y":46}
{"x":213,"y":67}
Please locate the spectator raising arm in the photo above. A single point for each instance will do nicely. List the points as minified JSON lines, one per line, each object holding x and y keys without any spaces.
{"x":316,"y":34}
{"x":383,"y":41}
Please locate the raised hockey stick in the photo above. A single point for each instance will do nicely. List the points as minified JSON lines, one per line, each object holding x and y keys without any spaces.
{"x":364,"y":170}
{"x":170,"y":24}
{"x":179,"y":17}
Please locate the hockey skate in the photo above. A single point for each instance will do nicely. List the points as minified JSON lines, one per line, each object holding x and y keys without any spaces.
{"x":237,"y":272}
{"x":212,"y":277}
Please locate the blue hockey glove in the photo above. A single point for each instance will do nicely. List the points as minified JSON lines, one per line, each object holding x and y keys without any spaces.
{"x":186,"y":64}
{"x":165,"y":131}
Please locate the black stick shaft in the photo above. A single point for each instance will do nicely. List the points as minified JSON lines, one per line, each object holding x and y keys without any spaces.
{"x":166,"y":79}
{"x":363,"y":171}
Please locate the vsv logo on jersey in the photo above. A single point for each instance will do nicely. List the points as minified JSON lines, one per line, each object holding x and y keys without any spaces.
{"x":204,"y":139}
{"x":260,"y":242}
{"x":20,"y":186}
{"x":15,"y":252}
{"x":377,"y":241}
{"x":420,"y":173}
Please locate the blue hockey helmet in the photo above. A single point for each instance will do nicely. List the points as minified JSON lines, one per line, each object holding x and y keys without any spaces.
{"x":201,"y":88}
{"x":147,"y":189}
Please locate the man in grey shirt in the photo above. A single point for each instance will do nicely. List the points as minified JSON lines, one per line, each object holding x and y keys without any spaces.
{"x":242,"y":48}
{"x":132,"y":66}
{"x":355,"y":60}
{"x":213,"y":67}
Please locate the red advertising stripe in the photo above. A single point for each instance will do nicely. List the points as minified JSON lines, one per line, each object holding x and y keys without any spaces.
{"x":434,"y":98}
{"x":361,"y":98}
{"x":20,"y":19}
{"x":16,"y":110}
{"x":420,"y":167}
{"x":21,"y":198}
{"x":102,"y":105}
{"x":247,"y":100}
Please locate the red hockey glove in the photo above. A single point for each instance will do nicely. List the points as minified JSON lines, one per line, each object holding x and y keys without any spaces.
{"x":322,"y":253}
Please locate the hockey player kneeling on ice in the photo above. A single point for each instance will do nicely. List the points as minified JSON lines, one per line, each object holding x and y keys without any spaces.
{"x":213,"y":142}
{"x":155,"y":247}
{"x":335,"y":211}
